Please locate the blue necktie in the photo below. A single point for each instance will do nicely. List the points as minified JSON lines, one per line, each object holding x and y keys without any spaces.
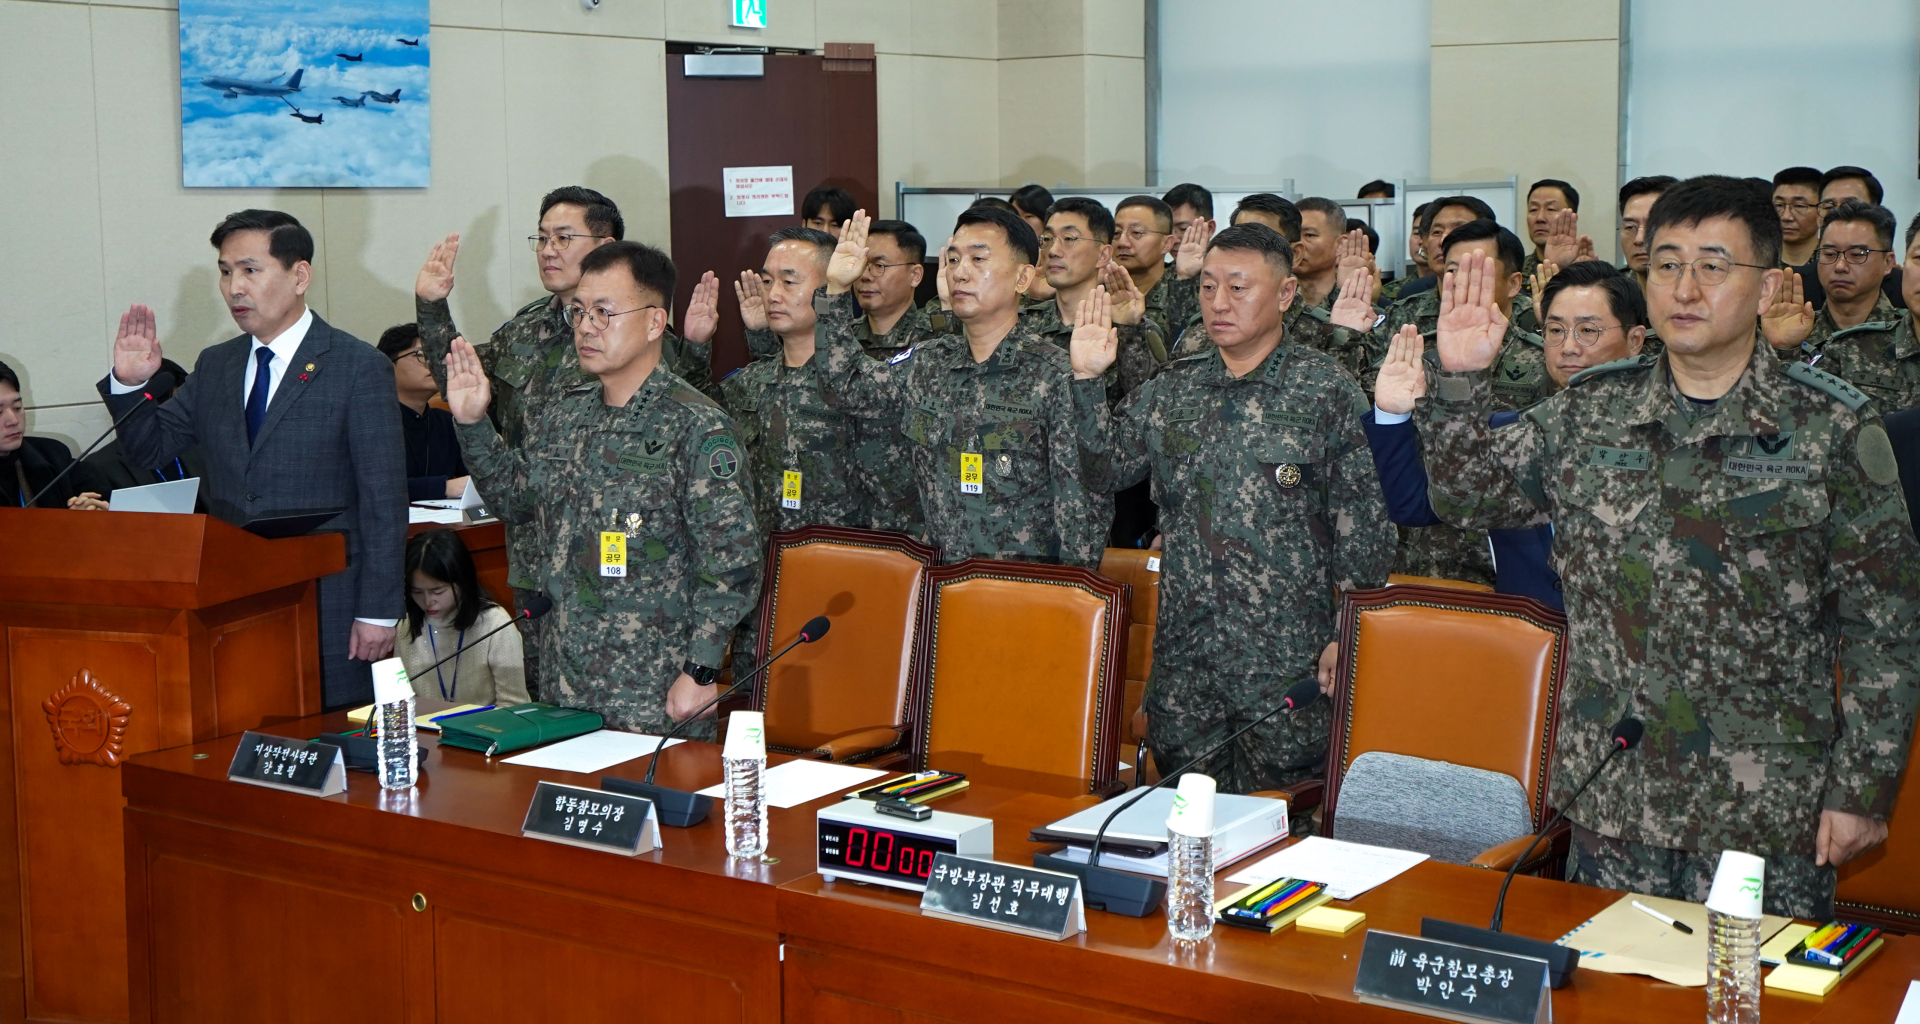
{"x":257,"y":398}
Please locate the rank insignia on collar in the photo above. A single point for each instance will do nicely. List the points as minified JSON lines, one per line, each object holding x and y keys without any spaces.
{"x":1287,"y":476}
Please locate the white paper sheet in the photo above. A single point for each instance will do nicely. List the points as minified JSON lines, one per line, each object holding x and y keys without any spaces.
{"x":596,"y":751}
{"x":448,"y":516}
{"x":1346,"y":869}
{"x":796,"y":782}
{"x":1910,"y":1006}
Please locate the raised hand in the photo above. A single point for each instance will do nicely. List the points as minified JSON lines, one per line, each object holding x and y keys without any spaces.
{"x":849,"y":258}
{"x":1351,"y":251}
{"x":752,"y":294}
{"x":941,"y":281}
{"x":703,"y":310}
{"x":1586,"y":249}
{"x":136,"y":349}
{"x":1542,"y":273}
{"x":1789,"y":320}
{"x":435,"y":281}
{"x":1563,"y":238}
{"x":1192,"y":250}
{"x":1471,"y":327}
{"x":1127,"y":304}
{"x":1354,"y":309}
{"x":468,"y":391}
{"x":1403,"y":374}
{"x":1096,"y":343}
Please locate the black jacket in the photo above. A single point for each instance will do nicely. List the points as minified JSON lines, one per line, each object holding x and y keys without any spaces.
{"x":42,"y":459}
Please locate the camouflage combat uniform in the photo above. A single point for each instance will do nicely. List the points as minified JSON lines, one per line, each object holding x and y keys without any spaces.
{"x":1143,"y":349}
{"x":1011,"y":410}
{"x":1879,"y":355}
{"x":1270,"y":506}
{"x":665,"y":471}
{"x":1717,"y":561}
{"x":1171,"y":303}
{"x":786,"y":427}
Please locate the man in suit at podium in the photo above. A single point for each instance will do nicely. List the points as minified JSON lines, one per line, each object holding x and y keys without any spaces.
{"x":293,"y":414}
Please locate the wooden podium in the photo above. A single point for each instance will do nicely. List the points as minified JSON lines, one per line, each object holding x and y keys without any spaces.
{"x":123,"y":632}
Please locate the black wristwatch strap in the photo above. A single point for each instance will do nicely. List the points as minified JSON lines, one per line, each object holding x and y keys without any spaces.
{"x":701,"y":674}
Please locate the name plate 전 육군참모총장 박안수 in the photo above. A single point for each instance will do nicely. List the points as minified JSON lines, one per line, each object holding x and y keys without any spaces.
{"x":593,"y":818}
{"x":1441,"y":979}
{"x":281,"y":762}
{"x":1025,"y":900}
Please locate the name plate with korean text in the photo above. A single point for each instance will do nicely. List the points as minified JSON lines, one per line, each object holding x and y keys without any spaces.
{"x":592,"y":818}
{"x":281,"y":762}
{"x":1441,"y":979}
{"x":1009,"y":897}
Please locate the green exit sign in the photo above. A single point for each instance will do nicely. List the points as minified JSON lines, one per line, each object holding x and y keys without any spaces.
{"x":749,"y":13}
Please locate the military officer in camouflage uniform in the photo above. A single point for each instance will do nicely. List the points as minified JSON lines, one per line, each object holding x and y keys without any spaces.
{"x":1728,"y":531}
{"x":531,"y":356}
{"x":1858,"y":335}
{"x":1269,"y":505}
{"x":1077,"y":250}
{"x":987,"y":413}
{"x":800,"y":451}
{"x":631,"y":485}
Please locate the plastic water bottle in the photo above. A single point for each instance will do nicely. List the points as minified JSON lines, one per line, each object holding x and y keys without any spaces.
{"x":1733,"y":940}
{"x":398,"y":753}
{"x":744,"y":759}
{"x":1190,"y":860}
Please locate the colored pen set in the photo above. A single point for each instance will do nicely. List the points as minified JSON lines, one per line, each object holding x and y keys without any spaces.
{"x":917,"y":788}
{"x":1834,"y":945}
{"x":1266,"y":906}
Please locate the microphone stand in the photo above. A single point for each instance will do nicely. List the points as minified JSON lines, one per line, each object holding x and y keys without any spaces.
{"x":146,"y":395}
{"x":1123,"y":892}
{"x":537,"y":607}
{"x":677,"y":807}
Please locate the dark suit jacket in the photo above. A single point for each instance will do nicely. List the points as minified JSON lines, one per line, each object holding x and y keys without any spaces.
{"x":44,"y":458}
{"x":328,"y":441}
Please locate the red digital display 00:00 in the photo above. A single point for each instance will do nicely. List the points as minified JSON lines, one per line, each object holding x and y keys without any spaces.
{"x":880,"y":852}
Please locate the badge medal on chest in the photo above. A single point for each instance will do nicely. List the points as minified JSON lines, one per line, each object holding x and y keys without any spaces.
{"x":1004,"y":465}
{"x":1287,"y":476}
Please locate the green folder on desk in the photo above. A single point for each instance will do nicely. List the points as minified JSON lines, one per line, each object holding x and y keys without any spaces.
{"x":504,"y":730}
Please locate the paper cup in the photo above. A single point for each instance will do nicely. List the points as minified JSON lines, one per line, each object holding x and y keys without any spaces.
{"x":1192,"y":813}
{"x":390,"y":681}
{"x":1738,"y":885}
{"x":746,"y":735}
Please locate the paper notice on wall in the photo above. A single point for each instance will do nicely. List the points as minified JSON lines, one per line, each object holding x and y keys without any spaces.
{"x":758,"y":191}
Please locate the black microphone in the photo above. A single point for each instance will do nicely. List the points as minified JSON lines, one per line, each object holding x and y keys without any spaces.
{"x":162,"y":382}
{"x":1123,"y":892}
{"x":678,"y":807}
{"x":537,"y":605}
{"x":1561,"y":960}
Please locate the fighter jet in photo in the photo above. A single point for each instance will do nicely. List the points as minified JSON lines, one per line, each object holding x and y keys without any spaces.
{"x":358,"y":101}
{"x":355,"y":57}
{"x":383,"y":97}
{"x":234,"y":88}
{"x":309,"y":118}
{"x":407,"y":42}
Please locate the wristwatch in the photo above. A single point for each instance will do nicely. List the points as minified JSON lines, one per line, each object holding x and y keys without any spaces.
{"x":701,"y":674}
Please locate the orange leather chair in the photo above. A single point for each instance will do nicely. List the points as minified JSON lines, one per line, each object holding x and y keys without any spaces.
{"x":1139,"y":569}
{"x":1461,"y":684}
{"x":844,"y":698}
{"x":1019,"y":677}
{"x":1881,"y":886}
{"x":1397,"y":580}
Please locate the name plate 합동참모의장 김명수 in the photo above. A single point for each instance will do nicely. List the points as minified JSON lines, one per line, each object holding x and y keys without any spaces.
{"x":1029,"y":901}
{"x":282,"y":762}
{"x":1441,"y":979}
{"x":593,"y":818}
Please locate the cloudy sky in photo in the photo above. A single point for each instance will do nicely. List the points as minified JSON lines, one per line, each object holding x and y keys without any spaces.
{"x":255,"y":141}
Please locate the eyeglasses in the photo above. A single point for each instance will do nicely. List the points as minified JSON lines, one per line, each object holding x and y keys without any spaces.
{"x":884,"y":267}
{"x":418,"y":353}
{"x":1708,"y":270}
{"x":1855,"y":255}
{"x":1587,"y":335}
{"x":1067,"y":242}
{"x":559,"y":241}
{"x":1136,"y":235}
{"x":596,"y":316}
{"x":1798,"y":206}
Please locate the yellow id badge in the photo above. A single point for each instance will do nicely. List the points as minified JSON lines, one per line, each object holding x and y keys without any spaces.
{"x":613,"y":553}
{"x":970,"y":473}
{"x":790,"y":489}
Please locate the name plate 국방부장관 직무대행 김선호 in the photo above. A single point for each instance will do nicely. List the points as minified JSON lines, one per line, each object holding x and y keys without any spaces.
{"x":1030,"y":901}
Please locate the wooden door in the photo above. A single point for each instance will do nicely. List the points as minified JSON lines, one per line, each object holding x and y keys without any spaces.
{"x":821,"y":122}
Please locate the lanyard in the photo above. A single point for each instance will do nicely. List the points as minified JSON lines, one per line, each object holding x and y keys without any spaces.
{"x":459,"y":644}
{"x":162,"y":474}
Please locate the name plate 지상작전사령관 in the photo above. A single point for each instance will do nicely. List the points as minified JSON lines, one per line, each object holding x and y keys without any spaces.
{"x":592,"y":818}
{"x":1025,"y":900}
{"x":281,"y":762}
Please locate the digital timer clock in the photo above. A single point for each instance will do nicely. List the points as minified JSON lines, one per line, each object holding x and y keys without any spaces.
{"x":859,"y":843}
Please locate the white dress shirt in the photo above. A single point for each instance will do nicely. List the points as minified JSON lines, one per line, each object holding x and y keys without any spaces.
{"x":283,"y":348}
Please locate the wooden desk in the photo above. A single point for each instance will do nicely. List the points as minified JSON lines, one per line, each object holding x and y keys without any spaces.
{"x":858,"y":953}
{"x":251,"y":904}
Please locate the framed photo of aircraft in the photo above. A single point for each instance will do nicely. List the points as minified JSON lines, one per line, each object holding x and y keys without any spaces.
{"x":305,"y":94}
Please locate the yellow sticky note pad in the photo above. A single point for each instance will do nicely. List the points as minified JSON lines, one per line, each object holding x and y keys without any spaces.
{"x":1808,"y":981}
{"x":1330,"y":921}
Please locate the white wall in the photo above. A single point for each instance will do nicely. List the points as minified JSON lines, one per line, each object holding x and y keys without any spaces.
{"x":1331,"y":95}
{"x":1750,"y":87}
